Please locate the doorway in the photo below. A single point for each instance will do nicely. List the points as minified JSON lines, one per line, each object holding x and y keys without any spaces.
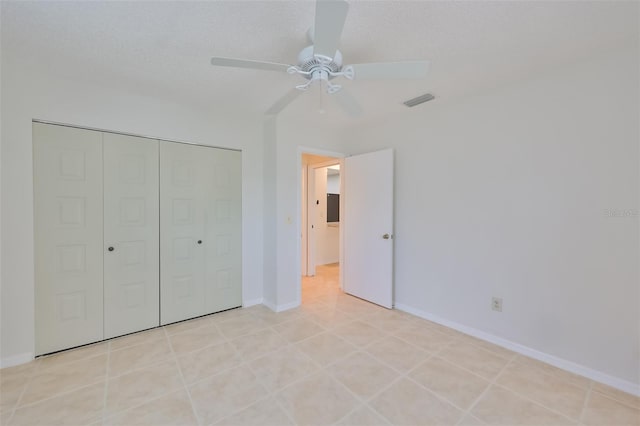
{"x":320,"y":224}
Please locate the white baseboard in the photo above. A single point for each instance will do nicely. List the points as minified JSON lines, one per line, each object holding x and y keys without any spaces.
{"x":16,"y":360}
{"x":280,"y":308}
{"x":270,"y":305}
{"x":252,"y":302}
{"x":598,"y":376}
{"x":287,"y":306}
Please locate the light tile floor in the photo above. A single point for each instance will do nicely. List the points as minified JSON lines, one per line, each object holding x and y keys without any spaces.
{"x":335,"y":360}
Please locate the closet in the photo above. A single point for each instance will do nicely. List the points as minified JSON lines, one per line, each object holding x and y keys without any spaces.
{"x":130,"y":233}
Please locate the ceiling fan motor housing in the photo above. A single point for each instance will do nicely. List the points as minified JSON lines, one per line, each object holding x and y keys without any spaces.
{"x":310,"y":63}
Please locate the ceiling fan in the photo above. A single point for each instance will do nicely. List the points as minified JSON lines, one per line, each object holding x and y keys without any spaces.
{"x":322,"y":61}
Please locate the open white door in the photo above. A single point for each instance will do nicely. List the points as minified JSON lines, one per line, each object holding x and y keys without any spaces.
{"x":368,"y":227}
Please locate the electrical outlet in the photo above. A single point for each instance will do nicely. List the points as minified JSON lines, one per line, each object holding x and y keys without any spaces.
{"x":496,"y":304}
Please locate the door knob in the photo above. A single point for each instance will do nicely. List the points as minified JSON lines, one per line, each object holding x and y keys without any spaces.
{"x":199,"y":241}
{"x":111,"y":249}
{"x":386,"y":236}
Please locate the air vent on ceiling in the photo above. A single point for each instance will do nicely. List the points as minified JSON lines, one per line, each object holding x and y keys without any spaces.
{"x":419,"y":100}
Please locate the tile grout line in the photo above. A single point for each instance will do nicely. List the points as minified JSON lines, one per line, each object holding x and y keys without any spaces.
{"x":619,"y":401}
{"x":22,"y":392}
{"x":533,"y":401}
{"x":184,"y":384}
{"x":484,"y":392}
{"x":527,"y":397}
{"x":401,"y":375}
{"x":106,"y":384}
{"x":586,"y":403}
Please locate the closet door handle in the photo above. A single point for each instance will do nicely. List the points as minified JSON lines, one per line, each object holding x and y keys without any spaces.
{"x":111,"y":249}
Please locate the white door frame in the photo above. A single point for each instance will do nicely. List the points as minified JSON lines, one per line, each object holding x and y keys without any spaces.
{"x":340,"y":160}
{"x":310,"y":207}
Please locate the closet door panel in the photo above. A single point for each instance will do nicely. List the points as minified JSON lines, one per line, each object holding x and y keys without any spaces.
{"x":223,"y":223}
{"x":131,"y":234}
{"x":68,"y":221}
{"x":182,"y":173}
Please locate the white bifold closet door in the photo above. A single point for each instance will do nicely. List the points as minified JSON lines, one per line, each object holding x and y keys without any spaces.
{"x":131,"y":234}
{"x":200,"y":222}
{"x":68,"y":237}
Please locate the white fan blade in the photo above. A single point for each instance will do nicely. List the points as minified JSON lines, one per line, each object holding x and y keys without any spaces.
{"x":330,"y":17}
{"x":283,"y":102}
{"x":244,"y":63}
{"x":348,"y":102}
{"x":417,"y":69}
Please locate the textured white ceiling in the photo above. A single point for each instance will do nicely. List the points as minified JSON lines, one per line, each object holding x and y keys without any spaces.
{"x":163,"y":48}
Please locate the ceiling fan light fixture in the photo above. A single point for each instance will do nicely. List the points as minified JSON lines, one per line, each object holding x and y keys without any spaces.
{"x":419,"y":100}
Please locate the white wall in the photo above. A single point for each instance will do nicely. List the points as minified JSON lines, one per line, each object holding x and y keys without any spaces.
{"x":282,"y":230}
{"x":27,"y":95}
{"x":504,"y":194}
{"x":333,"y":184}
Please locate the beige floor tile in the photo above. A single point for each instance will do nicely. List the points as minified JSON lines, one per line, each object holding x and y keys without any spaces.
{"x":5,"y":417}
{"x":82,"y":406}
{"x":363,"y":374}
{"x":208,"y":361}
{"x":13,"y":381}
{"x":363,"y":416}
{"x":397,"y":353}
{"x":499,"y":406}
{"x":226,"y":393}
{"x":11,"y":388}
{"x":73,"y":355}
{"x":138,"y":338}
{"x":406,"y":403}
{"x":498,"y":350}
{"x":389,"y":321}
{"x":313,"y":304}
{"x":551,"y":391}
{"x":228,"y":314}
{"x":134,"y":357}
{"x":240,"y":325}
{"x":263,"y":413}
{"x":332,"y":318}
{"x":477,"y":360}
{"x":316,"y":400}
{"x":271,"y":318}
{"x":357,"y":307}
{"x":182,"y":326}
{"x":325,"y":348}
{"x":25,"y":370}
{"x":66,"y":377}
{"x":257,"y":344}
{"x":441,"y":328}
{"x":602,"y":410}
{"x":359,"y":333}
{"x":469,"y":420}
{"x":450,"y":382}
{"x":424,"y":337}
{"x":294,"y":331}
{"x":626,"y":398}
{"x":194,"y":339}
{"x":280,"y":368}
{"x":555,"y":371}
{"x":132,"y":389}
{"x":171,"y":410}
{"x":240,"y":370}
